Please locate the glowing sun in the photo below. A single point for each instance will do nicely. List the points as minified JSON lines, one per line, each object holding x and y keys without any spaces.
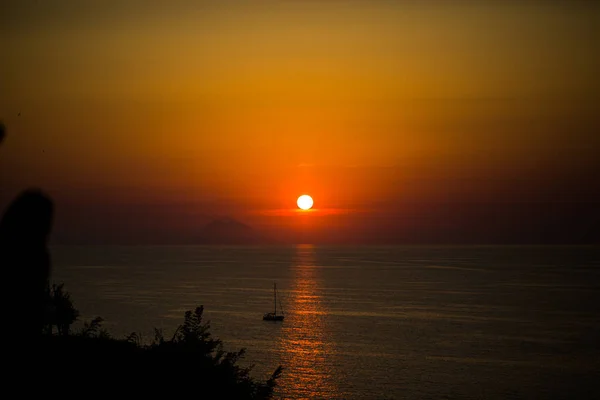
{"x":305,"y":202}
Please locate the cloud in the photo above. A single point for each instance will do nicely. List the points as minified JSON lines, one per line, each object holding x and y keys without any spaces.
{"x":288,"y":212}
{"x":345,"y":166}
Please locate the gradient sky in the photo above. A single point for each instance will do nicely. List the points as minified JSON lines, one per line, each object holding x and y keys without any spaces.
{"x":408,"y":121}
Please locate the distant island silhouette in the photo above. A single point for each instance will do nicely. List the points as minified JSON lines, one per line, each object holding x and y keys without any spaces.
{"x":228,"y":231}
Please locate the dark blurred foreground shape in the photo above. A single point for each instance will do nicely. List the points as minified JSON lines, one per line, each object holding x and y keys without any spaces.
{"x":25,"y":261}
{"x":2,"y":132}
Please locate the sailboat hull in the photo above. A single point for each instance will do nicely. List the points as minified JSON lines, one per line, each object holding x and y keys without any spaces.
{"x":272,"y":317}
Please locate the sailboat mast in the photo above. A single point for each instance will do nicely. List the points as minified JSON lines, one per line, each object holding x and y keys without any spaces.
{"x":275,"y":296}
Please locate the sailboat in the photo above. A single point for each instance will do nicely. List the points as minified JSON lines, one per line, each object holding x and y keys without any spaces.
{"x":272,"y":316}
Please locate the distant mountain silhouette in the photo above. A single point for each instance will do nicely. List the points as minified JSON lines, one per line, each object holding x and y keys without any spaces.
{"x":229,"y":231}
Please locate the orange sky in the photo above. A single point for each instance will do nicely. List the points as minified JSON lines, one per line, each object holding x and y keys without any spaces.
{"x":237,"y":109}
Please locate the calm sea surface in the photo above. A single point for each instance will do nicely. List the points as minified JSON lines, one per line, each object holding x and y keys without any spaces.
{"x":371,"y":322}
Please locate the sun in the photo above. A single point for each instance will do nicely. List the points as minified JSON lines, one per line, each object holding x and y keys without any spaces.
{"x":305,"y":202}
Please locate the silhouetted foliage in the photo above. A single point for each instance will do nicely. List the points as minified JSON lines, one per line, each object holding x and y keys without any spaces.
{"x":60,"y":311}
{"x":191,"y":357}
{"x":94,"y":329}
{"x":192,"y":344}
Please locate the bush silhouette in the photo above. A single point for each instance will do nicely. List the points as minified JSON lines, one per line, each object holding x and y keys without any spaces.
{"x":191,"y":358}
{"x":59,"y":310}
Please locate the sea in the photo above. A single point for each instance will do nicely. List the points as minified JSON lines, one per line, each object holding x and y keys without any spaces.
{"x":376,"y":322}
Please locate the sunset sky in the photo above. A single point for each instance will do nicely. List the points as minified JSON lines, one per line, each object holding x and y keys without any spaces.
{"x":406,"y":121}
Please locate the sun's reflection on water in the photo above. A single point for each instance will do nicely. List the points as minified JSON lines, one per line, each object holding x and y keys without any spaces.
{"x":306,"y":346}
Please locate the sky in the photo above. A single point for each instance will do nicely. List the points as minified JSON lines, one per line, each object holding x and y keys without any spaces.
{"x":428,"y":121}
